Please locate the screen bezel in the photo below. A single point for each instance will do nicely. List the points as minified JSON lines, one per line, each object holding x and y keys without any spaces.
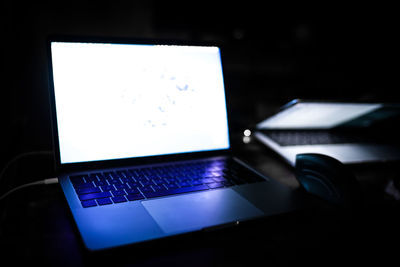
{"x":68,"y":167}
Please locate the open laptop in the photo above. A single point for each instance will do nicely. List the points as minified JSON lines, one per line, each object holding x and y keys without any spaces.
{"x":142,"y":142}
{"x":353,"y":133}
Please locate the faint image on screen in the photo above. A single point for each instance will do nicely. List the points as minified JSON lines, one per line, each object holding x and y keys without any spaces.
{"x":117,"y":101}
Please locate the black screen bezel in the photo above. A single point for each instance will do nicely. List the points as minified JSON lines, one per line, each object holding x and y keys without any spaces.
{"x":71,"y":167}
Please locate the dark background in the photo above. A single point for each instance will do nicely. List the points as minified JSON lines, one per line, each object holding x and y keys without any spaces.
{"x":272,"y":53}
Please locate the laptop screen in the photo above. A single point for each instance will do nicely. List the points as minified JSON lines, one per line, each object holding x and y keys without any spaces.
{"x":314,"y":115}
{"x":116,"y":101}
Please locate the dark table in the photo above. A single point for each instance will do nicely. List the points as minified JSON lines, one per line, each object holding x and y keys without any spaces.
{"x":37,"y":228}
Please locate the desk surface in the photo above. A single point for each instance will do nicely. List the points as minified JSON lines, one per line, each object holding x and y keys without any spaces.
{"x":36,"y":227}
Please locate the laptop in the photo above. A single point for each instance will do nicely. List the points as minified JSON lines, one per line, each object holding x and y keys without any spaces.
{"x":142,"y":143}
{"x":353,"y":133}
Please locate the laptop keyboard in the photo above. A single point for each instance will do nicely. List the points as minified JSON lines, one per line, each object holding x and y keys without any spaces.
{"x":298,"y":138}
{"x":112,"y":187}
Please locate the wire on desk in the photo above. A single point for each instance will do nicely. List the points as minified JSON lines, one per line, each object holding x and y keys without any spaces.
{"x":41,"y":182}
{"x":18,"y":157}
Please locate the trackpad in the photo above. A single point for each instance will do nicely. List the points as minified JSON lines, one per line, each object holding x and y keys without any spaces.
{"x":200,"y":210}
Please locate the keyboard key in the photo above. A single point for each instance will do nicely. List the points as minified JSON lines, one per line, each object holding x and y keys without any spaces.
{"x":94,"y":195}
{"x":158,"y":187}
{"x":126,"y":180}
{"x":104,"y":201}
{"x":100,"y":183}
{"x":118,"y":199}
{"x":171,"y":180}
{"x":158,"y":181}
{"x":134,"y":184}
{"x":81,"y":191}
{"x":115,"y":182}
{"x":183,"y":184}
{"x":146,"y":189}
{"x":172,"y":186}
{"x":121,"y":186}
{"x":132,"y":191}
{"x":142,"y":179}
{"x":211,"y":174}
{"x":133,"y":197}
{"x":196,"y":182}
{"x":146,"y":182}
{"x":107,"y":188}
{"x":118,"y":193}
{"x":89,"y":203}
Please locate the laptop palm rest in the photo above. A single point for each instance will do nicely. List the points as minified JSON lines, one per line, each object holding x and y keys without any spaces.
{"x":200,"y":210}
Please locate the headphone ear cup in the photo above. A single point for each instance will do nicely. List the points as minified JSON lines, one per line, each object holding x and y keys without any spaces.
{"x":318,"y":185}
{"x":327,"y":178}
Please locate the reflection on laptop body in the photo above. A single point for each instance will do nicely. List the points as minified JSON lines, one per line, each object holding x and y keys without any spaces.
{"x":142,"y":143}
{"x":350,"y":132}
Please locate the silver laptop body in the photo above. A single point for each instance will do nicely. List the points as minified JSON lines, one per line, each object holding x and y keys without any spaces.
{"x":126,"y":116}
{"x":338,"y":129}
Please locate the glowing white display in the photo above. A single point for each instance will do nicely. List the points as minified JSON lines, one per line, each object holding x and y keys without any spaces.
{"x":118,"y":101}
{"x":316,"y":115}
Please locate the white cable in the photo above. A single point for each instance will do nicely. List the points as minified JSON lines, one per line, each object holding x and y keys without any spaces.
{"x":42,"y":182}
{"x":51,"y":181}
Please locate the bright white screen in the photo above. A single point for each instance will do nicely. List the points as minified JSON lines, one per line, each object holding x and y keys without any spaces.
{"x":118,"y":101}
{"x":316,"y":115}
